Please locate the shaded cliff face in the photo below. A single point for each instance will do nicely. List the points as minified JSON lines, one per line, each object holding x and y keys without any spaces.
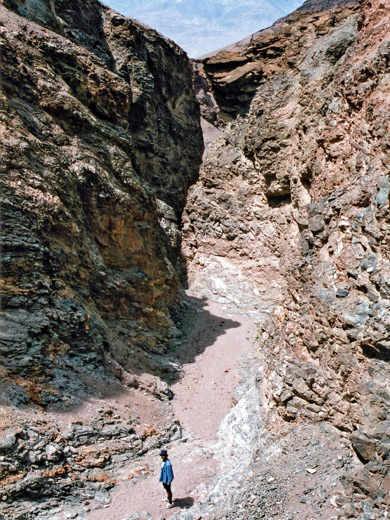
{"x":101,"y":141}
{"x":294,"y":200}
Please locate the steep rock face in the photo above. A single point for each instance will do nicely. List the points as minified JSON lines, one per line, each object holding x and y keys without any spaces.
{"x":101,"y":141}
{"x":294,"y":199}
{"x":234,"y":73}
{"x":255,"y":181}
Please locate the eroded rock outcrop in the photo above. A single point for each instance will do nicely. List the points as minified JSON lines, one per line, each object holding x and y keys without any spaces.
{"x":234,"y":73}
{"x":293,"y":203}
{"x":256,"y":179}
{"x":289,"y":221}
{"x":101,"y":143}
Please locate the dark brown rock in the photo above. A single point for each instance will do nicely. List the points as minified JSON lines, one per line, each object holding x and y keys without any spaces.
{"x":102,"y":142}
{"x":289,"y":220}
{"x":363,"y":445}
{"x":234,"y":74}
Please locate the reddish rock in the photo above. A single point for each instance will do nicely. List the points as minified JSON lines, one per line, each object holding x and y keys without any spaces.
{"x":289,"y":220}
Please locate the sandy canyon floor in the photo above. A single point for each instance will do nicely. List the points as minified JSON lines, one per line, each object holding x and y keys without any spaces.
{"x":212,"y":354}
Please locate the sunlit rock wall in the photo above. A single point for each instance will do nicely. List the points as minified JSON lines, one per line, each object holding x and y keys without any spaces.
{"x":292,"y":208}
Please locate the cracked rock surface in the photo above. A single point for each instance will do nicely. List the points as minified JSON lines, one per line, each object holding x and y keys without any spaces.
{"x":287,"y":228}
{"x":292,"y":205}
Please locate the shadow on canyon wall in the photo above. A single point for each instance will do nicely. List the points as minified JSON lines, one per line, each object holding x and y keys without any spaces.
{"x":77,"y":381}
{"x":200,"y":329}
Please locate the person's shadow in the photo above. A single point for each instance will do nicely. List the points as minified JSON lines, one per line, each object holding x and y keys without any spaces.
{"x":183,"y":503}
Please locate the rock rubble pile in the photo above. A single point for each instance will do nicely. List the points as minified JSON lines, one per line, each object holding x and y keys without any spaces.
{"x":43,"y":463}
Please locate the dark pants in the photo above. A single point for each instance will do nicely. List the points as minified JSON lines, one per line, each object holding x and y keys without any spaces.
{"x":167,"y":488}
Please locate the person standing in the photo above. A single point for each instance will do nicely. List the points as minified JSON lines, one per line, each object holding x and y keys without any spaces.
{"x":166,"y":476}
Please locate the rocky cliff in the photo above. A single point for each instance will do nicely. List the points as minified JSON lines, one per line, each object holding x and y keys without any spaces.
{"x":292,"y":205}
{"x":100,"y":145}
{"x":100,"y":142}
{"x":245,"y":196}
{"x":289,"y":221}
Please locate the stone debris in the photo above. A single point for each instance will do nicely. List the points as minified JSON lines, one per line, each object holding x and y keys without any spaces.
{"x":82,"y":461}
{"x":288,"y":223}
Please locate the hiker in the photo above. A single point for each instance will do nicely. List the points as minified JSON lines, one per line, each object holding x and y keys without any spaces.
{"x":166,"y":476}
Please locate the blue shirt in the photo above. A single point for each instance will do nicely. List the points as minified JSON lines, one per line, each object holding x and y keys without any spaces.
{"x":166,"y":475}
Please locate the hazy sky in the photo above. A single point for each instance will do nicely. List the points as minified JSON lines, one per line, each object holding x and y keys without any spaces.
{"x":202,"y":26}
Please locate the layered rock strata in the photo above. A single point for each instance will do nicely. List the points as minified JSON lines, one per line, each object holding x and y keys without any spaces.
{"x":234,"y":73}
{"x":289,"y":220}
{"x":293,"y":205}
{"x":101,"y":141}
{"x":246,"y":194}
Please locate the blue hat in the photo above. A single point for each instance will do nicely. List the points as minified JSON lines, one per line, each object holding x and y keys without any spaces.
{"x":163,"y":452}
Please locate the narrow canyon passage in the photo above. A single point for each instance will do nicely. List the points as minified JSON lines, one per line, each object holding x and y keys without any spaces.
{"x":215,"y":348}
{"x":109,"y":204}
{"x":206,"y":392}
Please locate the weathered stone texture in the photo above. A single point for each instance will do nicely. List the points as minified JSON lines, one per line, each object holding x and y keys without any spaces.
{"x":101,"y":140}
{"x":296,"y":191}
{"x":234,"y":73}
{"x":289,"y":220}
{"x":257,"y":176}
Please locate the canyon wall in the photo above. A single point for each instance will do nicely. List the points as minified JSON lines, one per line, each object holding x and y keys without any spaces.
{"x":101,"y":140}
{"x":257,"y":177}
{"x":292,"y":204}
{"x":288,"y":221}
